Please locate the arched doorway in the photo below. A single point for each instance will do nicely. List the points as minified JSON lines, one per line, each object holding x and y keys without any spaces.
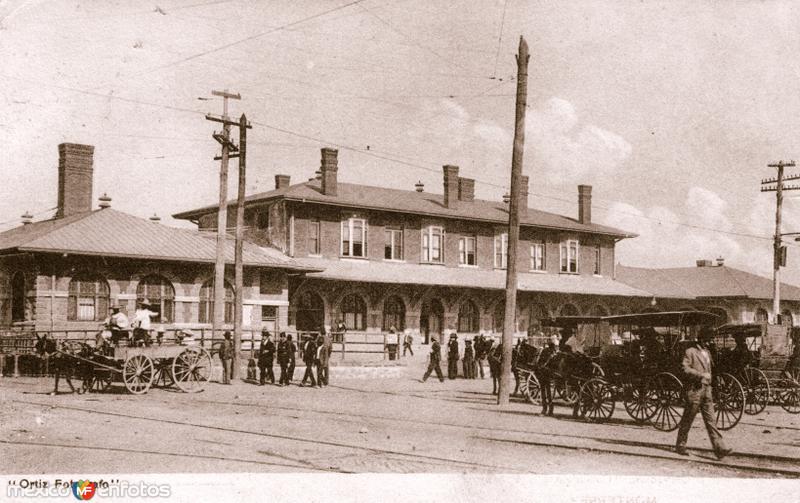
{"x":431,"y":319}
{"x":499,"y":317}
{"x":469,"y":318}
{"x":569,"y":310}
{"x":394,"y":314}
{"x":18,"y":297}
{"x":310,"y":314}
{"x":762,"y":316}
{"x":537,"y":313}
{"x":599,"y":310}
{"x":354,"y":312}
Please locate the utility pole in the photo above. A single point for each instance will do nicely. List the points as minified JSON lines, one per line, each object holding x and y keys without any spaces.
{"x":513,"y":223}
{"x":238,"y":288}
{"x":778,"y":251}
{"x":222,"y":214}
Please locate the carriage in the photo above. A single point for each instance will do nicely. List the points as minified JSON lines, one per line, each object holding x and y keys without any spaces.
{"x":636,"y":360}
{"x":765,"y":359}
{"x":138,"y":368}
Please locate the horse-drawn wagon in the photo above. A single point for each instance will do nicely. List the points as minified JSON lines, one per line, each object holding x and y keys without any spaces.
{"x":634,"y":359}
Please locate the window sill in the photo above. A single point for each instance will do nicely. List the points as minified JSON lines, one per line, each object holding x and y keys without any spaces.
{"x":569,"y":273}
{"x":396,"y":261}
{"x":314,"y":255}
{"x":353,"y":259}
{"x":537,"y":271}
{"x":432,"y":263}
{"x":597,"y":275}
{"x":468,"y":266}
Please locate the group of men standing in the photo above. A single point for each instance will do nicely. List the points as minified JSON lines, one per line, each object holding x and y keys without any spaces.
{"x":472,"y":361}
{"x":315,"y":352}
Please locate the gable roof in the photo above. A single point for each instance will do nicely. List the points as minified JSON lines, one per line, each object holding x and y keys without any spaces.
{"x":419,"y":203}
{"x":703,"y":282}
{"x":111,"y":233}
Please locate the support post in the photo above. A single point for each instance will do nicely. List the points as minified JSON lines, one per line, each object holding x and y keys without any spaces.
{"x":513,"y":223}
{"x":238,"y":288}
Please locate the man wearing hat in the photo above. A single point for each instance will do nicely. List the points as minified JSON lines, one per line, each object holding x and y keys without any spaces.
{"x":697,"y":370}
{"x":452,"y":356}
{"x":141,"y":323}
{"x":118,"y":324}
{"x":226,"y":356}
{"x":266,"y":355}
{"x":434,"y":362}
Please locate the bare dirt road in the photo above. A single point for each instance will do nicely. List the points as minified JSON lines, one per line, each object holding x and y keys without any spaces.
{"x":357,"y":425}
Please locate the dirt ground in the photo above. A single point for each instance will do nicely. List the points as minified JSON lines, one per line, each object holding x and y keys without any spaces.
{"x":357,"y":425}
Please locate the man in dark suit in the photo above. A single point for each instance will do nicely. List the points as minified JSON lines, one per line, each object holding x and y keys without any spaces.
{"x":309,"y":358}
{"x":435,"y":361}
{"x":283,"y":352}
{"x":226,"y":356}
{"x":697,"y":370}
{"x":452,"y":357}
{"x":266,"y":355}
{"x":292,"y":359}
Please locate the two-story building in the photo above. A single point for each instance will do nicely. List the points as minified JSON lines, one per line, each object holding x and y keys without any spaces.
{"x":432,"y":263}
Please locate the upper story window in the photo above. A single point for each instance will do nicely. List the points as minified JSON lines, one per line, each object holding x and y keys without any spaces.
{"x":501,"y":250}
{"x":569,"y":256}
{"x":432,"y":241}
{"x":262,"y":218}
{"x":354,"y":237}
{"x":466,"y":250}
{"x":537,"y":257}
{"x":88,"y":299}
{"x":313,"y":237}
{"x":393,"y":246}
{"x":597,"y":262}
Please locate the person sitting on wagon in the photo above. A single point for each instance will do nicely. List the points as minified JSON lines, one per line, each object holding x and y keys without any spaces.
{"x":118,"y":324}
{"x":141,"y":324}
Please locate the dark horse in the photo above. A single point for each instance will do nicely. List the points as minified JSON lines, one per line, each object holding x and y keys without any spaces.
{"x":569,"y":368}
{"x":62,"y":362}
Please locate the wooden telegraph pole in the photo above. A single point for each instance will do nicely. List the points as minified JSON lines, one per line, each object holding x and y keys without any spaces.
{"x":229,"y":151}
{"x":513,"y":223}
{"x":778,"y":251}
{"x":238,"y":258}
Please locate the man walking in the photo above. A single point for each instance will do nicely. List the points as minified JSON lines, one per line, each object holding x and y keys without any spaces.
{"x":292,"y":359}
{"x":283,"y":351}
{"x":309,"y":358}
{"x":469,"y":360}
{"x":322,"y":361}
{"x":408,"y":340}
{"x":435,"y":361}
{"x":266,"y":355}
{"x":697,"y":369}
{"x":226,"y":355}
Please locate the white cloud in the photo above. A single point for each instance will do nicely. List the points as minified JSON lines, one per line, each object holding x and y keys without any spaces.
{"x":570,"y":151}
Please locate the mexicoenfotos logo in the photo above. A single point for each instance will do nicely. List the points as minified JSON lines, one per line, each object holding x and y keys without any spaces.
{"x":83,"y":489}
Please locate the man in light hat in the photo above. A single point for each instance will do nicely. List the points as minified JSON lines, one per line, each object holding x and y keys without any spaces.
{"x":452,"y":356}
{"x":141,"y":323}
{"x":226,"y":356}
{"x":697,"y":369}
{"x":117,"y":324}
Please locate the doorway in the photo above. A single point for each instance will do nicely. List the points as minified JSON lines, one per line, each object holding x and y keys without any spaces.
{"x":431,"y":320}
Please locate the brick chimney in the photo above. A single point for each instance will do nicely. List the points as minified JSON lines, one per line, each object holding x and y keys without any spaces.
{"x":282,"y":181}
{"x":523,"y":194}
{"x":466,"y":189}
{"x":450,"y":186}
{"x":329,"y":166}
{"x":585,"y":204}
{"x":74,"y":179}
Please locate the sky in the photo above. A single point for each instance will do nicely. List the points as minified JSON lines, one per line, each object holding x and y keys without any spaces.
{"x":671,"y":110}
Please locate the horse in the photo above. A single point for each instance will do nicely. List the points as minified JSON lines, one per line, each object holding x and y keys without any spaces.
{"x":62,"y":361}
{"x":571,"y":368}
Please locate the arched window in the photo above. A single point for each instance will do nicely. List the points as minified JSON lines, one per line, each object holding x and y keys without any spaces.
{"x":468,"y":317}
{"x":537,"y":313}
{"x":159,"y":293}
{"x":394,"y":314}
{"x":599,"y":310}
{"x":569,"y":310}
{"x":354,"y":312}
{"x":206,"y":313}
{"x":761,"y":315}
{"x":499,"y":317}
{"x":786,"y":318}
{"x":310,"y":315}
{"x":18,"y":297}
{"x":88,"y":299}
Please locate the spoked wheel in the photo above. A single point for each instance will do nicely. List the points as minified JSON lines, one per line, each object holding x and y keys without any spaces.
{"x":163,"y":373}
{"x":138,"y":373}
{"x":99,"y":381}
{"x":729,"y":400}
{"x":789,"y":396}
{"x":191,"y":369}
{"x":532,"y":388}
{"x":638,"y":402}
{"x":756,"y":389}
{"x":665,"y":392}
{"x":596,"y":400}
{"x":568,"y":390}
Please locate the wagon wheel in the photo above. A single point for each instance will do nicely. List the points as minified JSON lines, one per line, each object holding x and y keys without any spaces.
{"x":665,"y":393}
{"x":789,"y":397}
{"x":533,"y":389}
{"x":163,"y":373}
{"x":99,"y":381}
{"x":568,"y":390}
{"x":191,"y":369}
{"x":639,"y":404}
{"x":756,"y":388}
{"x":138,"y":374}
{"x":729,"y":400}
{"x":596,"y":400}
